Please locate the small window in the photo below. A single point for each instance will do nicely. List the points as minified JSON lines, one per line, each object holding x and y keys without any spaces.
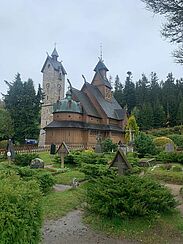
{"x":69,"y":116}
{"x":48,"y":66}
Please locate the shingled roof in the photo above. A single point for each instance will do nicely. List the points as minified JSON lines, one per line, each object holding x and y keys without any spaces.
{"x":56,"y":65}
{"x":111,"y":108}
{"x":85,"y":102}
{"x":100,"y":65}
{"x":83,"y":125}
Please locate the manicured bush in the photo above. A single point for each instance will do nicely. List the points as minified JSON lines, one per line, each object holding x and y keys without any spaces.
{"x":160,"y":142}
{"x":170,"y":157}
{"x":144,"y":145}
{"x":20,"y":211}
{"x":95,"y":170}
{"x":109,"y":146}
{"x":46,"y":181}
{"x":24,"y":159}
{"x":128,"y":197}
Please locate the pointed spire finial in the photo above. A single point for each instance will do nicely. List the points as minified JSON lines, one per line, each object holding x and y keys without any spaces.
{"x":101,"y":51}
{"x":55,"y":45}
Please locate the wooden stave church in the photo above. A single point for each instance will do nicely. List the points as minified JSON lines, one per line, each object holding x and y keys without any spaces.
{"x":87,"y":114}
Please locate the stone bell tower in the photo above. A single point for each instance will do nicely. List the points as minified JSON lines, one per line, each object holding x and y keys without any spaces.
{"x":53,"y":88}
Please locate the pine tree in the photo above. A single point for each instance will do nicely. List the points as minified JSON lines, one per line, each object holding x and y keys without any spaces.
{"x":159,"y":116}
{"x":172,"y":10}
{"x":169,"y":99}
{"x":118,"y":91}
{"x":21,"y":102}
{"x":179,"y":116}
{"x":6,"y":125}
{"x":129,"y":93}
{"x":145,"y":119}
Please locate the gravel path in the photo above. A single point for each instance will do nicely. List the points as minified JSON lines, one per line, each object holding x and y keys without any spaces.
{"x":61,"y":187}
{"x":71,"y":230}
{"x":175,"y":189}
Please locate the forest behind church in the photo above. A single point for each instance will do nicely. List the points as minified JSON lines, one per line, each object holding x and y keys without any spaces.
{"x":155,"y":103}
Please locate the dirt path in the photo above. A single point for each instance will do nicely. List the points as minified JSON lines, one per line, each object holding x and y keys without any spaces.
{"x":71,"y":230}
{"x":175,"y":189}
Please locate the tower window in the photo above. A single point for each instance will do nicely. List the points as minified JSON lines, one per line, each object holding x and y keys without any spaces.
{"x":48,"y":66}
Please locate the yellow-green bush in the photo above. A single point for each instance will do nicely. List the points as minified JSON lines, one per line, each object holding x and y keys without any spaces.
{"x":160,"y":142}
{"x":20,"y":211}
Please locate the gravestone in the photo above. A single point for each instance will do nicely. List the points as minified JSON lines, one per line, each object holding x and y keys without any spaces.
{"x":37,"y":163}
{"x":169,"y":147}
{"x":62,"y":152}
{"x":52,"y":149}
{"x":121,"y":163}
{"x":98,"y":146}
{"x":10,"y":150}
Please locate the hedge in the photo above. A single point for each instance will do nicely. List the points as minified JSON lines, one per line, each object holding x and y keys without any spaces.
{"x":128,"y":197}
{"x":20,"y":211}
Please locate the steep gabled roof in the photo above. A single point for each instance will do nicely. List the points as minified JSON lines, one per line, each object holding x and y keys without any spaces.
{"x":55,"y":64}
{"x":100,"y":65}
{"x":86,"y":103}
{"x":55,"y":53}
{"x":111,"y":108}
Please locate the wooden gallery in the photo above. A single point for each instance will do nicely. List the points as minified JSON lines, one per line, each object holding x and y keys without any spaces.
{"x":83,"y":115}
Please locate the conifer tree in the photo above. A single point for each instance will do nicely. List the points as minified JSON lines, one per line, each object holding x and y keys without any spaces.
{"x":118,"y":91}
{"x":129,"y":93}
{"x":21,"y":102}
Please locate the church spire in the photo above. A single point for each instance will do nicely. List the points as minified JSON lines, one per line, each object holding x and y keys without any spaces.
{"x":55,"y":54}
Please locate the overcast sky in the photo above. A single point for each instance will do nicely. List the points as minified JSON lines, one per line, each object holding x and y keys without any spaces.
{"x":130,"y":36}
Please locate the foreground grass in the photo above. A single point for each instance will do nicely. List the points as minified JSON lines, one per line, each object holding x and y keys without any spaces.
{"x":165,"y":229}
{"x":167,"y":176}
{"x":46,"y":157}
{"x":58,"y":204}
{"x":67,"y":177}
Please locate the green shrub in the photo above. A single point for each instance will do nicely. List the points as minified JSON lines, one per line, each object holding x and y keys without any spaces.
{"x":177,"y":139}
{"x":46,"y":181}
{"x":24,"y":159}
{"x":95,"y":170}
{"x":176,"y":168}
{"x":3,"y":143}
{"x":170,"y":157}
{"x":167,"y":176}
{"x":144,"y":145}
{"x":167,"y":131}
{"x":20,"y":211}
{"x":128,"y":196}
{"x":109,"y":146}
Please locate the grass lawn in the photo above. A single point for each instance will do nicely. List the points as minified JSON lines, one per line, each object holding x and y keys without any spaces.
{"x":163,"y":230}
{"x":167,"y":176}
{"x":58,"y":204}
{"x":46,"y":157}
{"x":67,"y":177}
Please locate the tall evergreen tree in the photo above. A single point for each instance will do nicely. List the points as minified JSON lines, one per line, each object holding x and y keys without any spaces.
{"x":159,"y":116}
{"x":145,"y":119}
{"x":169,"y":99}
{"x":129,"y":93}
{"x":118,"y":91}
{"x":142,"y":91}
{"x":21,"y":102}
